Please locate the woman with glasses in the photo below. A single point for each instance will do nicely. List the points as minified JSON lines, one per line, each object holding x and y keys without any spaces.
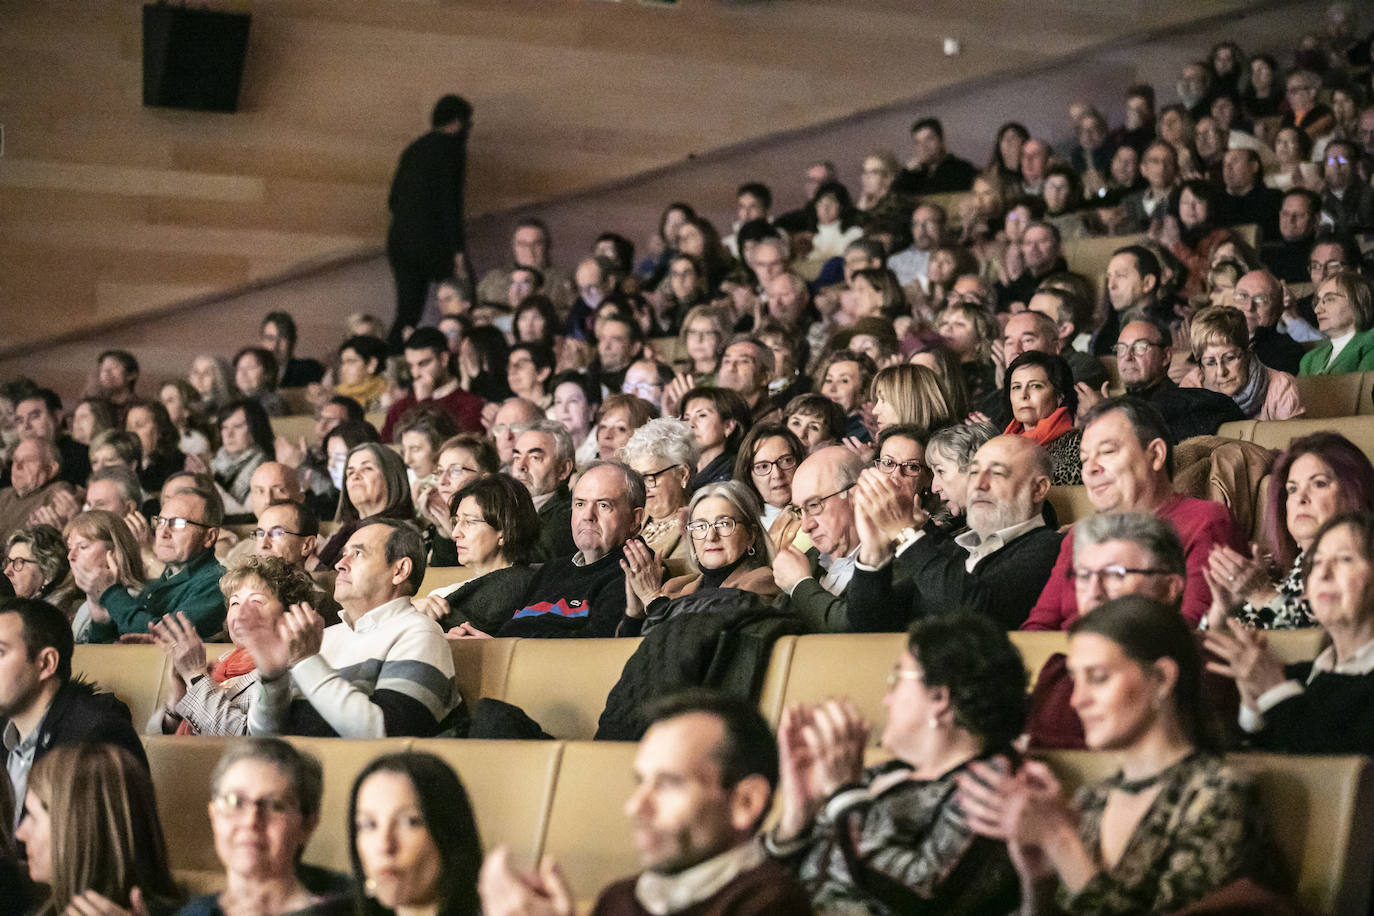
{"x":462,"y":459}
{"x":1315,"y":479}
{"x":728,"y":550}
{"x":1174,"y":824}
{"x":98,"y":541}
{"x":663,"y":453}
{"x":892,"y":838}
{"x":208,"y":698}
{"x":496,"y":537}
{"x":902,"y":458}
{"x":36,"y":565}
{"x":1227,"y":364}
{"x":1344,"y":303}
{"x":264,"y":807}
{"x":767,"y":459}
{"x":1043,"y":403}
{"x":1304,"y":110}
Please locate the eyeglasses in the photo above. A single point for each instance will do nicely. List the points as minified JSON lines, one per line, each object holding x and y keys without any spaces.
{"x":1240,"y":297}
{"x":1325,"y":266}
{"x":813,"y":506}
{"x":641,"y":389}
{"x":651,"y":480}
{"x":898,"y":674}
{"x":1136,"y":348}
{"x":514,"y":429}
{"x":782,"y":463}
{"x":454,"y":471}
{"x":1113,"y":575}
{"x":18,"y":563}
{"x":889,"y":466}
{"x":158,"y":522}
{"x":467,"y":522}
{"x":701,"y":529}
{"x":277,"y":531}
{"x":1226,"y":360}
{"x":234,"y":804}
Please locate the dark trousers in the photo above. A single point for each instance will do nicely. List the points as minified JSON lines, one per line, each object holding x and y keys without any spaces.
{"x":412,"y":272}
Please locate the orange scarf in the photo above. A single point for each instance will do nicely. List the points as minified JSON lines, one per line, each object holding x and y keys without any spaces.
{"x":1047,"y":430}
{"x":235,"y":663}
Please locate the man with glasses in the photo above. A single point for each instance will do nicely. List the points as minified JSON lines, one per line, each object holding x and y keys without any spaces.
{"x":1144,"y":352}
{"x":290,"y":531}
{"x":513,"y":417}
{"x":1347,"y":202}
{"x":184,"y":537}
{"x":996,"y":568}
{"x":1128,"y":464}
{"x":1114,"y":555}
{"x":1330,"y":253}
{"x":816,"y":580}
{"x":1259,"y":297}
{"x":543,"y":461}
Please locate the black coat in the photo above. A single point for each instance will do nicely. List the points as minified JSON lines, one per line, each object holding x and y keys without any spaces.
{"x":1189,"y":411}
{"x":426,"y":198}
{"x":1333,"y":715}
{"x":80,"y":713}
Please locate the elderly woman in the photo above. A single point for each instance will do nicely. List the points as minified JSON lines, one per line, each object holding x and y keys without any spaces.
{"x":374,"y":487}
{"x":619,"y":417}
{"x":767,"y":459}
{"x":1325,"y":706}
{"x":496,"y":536}
{"x":245,"y":443}
{"x":80,"y":791}
{"x":36,"y":565}
{"x":1043,"y":403}
{"x":416,"y":802}
{"x":663,"y":453}
{"x":911,"y":395}
{"x":948,"y":454}
{"x":462,"y":459}
{"x":98,"y":541}
{"x":1173,"y":825}
{"x":1317,"y":478}
{"x":1344,"y":303}
{"x":261,"y":850}
{"x":891,"y":838}
{"x":1227,"y":364}
{"x":728,"y":550}
{"x":159,"y":438}
{"x":213,"y":379}
{"x":212,"y":699}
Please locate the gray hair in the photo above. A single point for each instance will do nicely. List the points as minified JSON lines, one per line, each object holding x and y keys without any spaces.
{"x":746,"y":504}
{"x":122,"y":477}
{"x":847,"y":470}
{"x":563,"y":448}
{"x":301,"y":769}
{"x":781,"y":244}
{"x":960,"y":443}
{"x":1149,"y":532}
{"x":665,"y":439}
{"x":404,"y":540}
{"x":634,"y":483}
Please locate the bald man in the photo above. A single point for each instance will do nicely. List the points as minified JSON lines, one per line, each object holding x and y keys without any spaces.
{"x":1259,"y":295}
{"x":273,"y":482}
{"x":994,"y":568}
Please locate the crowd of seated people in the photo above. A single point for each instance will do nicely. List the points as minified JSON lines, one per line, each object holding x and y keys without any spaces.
{"x":857,"y":415}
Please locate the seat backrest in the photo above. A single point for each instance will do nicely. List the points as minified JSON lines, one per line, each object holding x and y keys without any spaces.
{"x":133,"y":673}
{"x":1070,"y":503}
{"x":439,"y":576}
{"x":510,"y":785}
{"x":563,"y":683}
{"x":1036,"y":647}
{"x":588,"y":832}
{"x":181,"y":767}
{"x":853,"y":665}
{"x":480,"y":667}
{"x":295,"y":427}
{"x":1276,"y":434}
{"x":1293,"y":646}
{"x":1090,"y":256}
{"x":1238,"y":429}
{"x":1114,"y":383}
{"x":1321,"y":810}
{"x":377,"y":418}
{"x":1261,"y":508}
{"x":1328,"y":396}
{"x":775,"y":679}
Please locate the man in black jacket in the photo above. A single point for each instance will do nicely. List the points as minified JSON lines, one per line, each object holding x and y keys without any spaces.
{"x":426,"y":242}
{"x":994,"y":568}
{"x":40,"y":705}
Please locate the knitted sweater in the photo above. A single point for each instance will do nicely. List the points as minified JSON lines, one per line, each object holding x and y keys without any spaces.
{"x":566,"y":599}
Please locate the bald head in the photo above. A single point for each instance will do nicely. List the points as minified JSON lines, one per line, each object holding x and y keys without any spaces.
{"x":1030,"y":330}
{"x":821,"y":484}
{"x":1259,"y":295}
{"x":273,"y":482}
{"x":1008,"y":480}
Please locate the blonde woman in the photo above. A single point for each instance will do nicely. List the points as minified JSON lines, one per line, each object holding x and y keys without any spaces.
{"x":909,"y":394}
{"x":1220,"y":341}
{"x":99,"y":541}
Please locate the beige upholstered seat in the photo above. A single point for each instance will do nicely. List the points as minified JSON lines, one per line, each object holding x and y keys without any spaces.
{"x":562,"y":683}
{"x":588,"y":831}
{"x":135,"y":674}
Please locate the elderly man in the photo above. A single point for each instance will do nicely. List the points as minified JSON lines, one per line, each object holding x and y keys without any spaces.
{"x":619,"y":340}
{"x":1159,"y":167}
{"x":932,"y":168}
{"x":1127,"y":465}
{"x":273,"y":482}
{"x":530,"y":247}
{"x":39,"y":416}
{"x":1042,"y":255}
{"x":596,"y":280}
{"x":1286,"y":255}
{"x":821,"y":488}
{"x":584,"y":594}
{"x":1143,"y":355}
{"x":1259,"y":296}
{"x":1035,"y":161}
{"x":383,"y":671}
{"x":768,"y":259}
{"x":927,"y":229}
{"x":1035,"y":330}
{"x":746,"y":368}
{"x":1347,"y":202}
{"x":184,"y":541}
{"x":789,"y":301}
{"x":513,"y":417}
{"x":41,"y":705}
{"x":432,"y":385}
{"x":543,"y":460}
{"x":1114,"y":556}
{"x":35,"y":468}
{"x":1247,"y":199}
{"x":114,"y":489}
{"x":705,"y":773}
{"x":995,"y":568}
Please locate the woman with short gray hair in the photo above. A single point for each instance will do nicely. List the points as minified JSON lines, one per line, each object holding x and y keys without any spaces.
{"x":664,"y":454}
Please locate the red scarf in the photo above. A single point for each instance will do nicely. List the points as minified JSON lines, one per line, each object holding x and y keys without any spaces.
{"x":1047,"y":430}
{"x":234,"y":663}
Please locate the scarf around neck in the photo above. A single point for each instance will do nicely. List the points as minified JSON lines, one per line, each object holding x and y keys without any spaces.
{"x":1250,"y":397}
{"x":1047,"y":430}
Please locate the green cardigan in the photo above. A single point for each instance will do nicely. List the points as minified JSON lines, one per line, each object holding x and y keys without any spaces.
{"x":1358,"y":356}
{"x":194,"y":590}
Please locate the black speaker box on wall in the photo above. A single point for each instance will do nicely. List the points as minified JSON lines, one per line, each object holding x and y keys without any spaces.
{"x":193,"y":58}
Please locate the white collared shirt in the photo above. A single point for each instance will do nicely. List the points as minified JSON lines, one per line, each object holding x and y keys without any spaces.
{"x":838,"y":571}
{"x":979,"y":548}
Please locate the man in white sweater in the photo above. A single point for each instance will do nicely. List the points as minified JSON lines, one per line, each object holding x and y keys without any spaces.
{"x":384,"y":671}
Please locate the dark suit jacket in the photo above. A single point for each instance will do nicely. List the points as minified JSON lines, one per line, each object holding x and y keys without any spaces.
{"x":81,"y":714}
{"x":426,"y":198}
{"x":1003,"y":587}
{"x":555,"y":526}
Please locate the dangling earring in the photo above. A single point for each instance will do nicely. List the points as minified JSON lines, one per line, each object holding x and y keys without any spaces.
{"x":750,"y":551}
{"x":934,"y":721}
{"x":370,"y":887}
